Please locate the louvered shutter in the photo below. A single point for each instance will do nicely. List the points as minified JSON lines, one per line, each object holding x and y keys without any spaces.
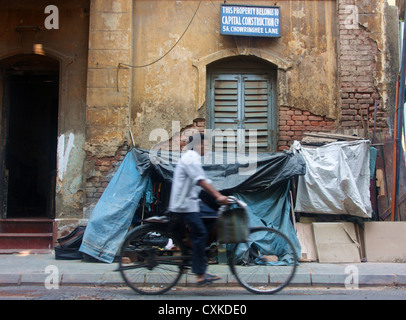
{"x":240,"y":104}
{"x":256,"y":110}
{"x":226,"y":111}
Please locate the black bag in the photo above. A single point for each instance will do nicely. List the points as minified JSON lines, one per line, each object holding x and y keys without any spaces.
{"x":68,"y":248}
{"x":67,"y":253}
{"x":233,"y":225}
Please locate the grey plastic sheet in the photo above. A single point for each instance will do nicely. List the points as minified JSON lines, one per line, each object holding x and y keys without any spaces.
{"x":337,"y":180}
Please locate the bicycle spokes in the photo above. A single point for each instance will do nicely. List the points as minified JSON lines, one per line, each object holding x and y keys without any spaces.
{"x":148,"y":264}
{"x":266,"y":264}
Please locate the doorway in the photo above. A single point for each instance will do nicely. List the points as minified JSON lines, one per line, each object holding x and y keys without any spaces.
{"x":29,"y":137}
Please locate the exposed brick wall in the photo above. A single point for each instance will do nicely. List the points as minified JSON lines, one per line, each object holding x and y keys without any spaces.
{"x":293,"y":123}
{"x":179,"y":139}
{"x":100,"y":172}
{"x":358,"y":55}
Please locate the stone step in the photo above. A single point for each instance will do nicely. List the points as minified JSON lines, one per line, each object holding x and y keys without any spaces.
{"x":26,"y":234}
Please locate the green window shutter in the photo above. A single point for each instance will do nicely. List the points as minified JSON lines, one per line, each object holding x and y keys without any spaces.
{"x":240,"y":103}
{"x":256,"y":110}
{"x":226,"y":111}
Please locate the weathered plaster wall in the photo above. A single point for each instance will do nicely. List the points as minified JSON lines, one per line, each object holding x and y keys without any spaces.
{"x":68,"y":45}
{"x":108,"y":94}
{"x":107,"y":86}
{"x":174,"y":87}
{"x":145,"y":71}
{"x":117,"y":74}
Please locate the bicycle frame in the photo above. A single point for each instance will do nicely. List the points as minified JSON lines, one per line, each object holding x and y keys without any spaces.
{"x":183,"y":260}
{"x":149,"y":246}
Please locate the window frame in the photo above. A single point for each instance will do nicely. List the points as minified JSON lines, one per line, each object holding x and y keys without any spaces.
{"x":262,"y":74}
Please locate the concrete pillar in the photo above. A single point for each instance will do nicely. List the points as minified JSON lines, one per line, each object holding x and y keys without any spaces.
{"x":108,"y":83}
{"x":108,"y":93}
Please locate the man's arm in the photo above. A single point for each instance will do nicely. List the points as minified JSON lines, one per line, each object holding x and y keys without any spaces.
{"x":212,"y":191}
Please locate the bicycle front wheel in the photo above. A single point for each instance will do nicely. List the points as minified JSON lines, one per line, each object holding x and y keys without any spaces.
{"x":266,"y":263}
{"x":151,"y":260}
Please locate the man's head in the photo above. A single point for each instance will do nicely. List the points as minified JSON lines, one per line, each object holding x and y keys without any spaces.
{"x":196,"y":143}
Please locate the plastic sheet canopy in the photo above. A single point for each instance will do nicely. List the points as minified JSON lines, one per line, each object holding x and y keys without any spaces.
{"x":337,"y":180}
{"x":262,"y":183}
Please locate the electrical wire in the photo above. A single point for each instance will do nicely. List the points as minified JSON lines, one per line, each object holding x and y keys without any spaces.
{"x":165,"y":54}
{"x":121,"y":65}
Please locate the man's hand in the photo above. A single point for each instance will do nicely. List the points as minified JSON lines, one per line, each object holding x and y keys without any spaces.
{"x":222,"y":199}
{"x":211,"y":190}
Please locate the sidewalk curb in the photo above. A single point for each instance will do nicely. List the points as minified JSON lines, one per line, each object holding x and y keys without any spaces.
{"x":18,"y":270}
{"x":115,"y":279}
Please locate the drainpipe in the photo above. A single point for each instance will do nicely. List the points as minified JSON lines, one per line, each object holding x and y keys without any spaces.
{"x":398,"y":131}
{"x":395,"y":152}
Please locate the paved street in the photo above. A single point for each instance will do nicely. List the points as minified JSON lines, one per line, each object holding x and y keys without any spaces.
{"x":208,"y":293}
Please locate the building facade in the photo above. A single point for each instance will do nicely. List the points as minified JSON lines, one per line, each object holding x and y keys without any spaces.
{"x":81,"y":81}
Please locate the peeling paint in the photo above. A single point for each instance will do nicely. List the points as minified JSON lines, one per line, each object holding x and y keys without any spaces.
{"x":70,"y":193}
{"x":63,"y":154}
{"x":110,"y":21}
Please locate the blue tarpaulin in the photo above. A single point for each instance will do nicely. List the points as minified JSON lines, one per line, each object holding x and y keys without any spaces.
{"x":265,"y":191}
{"x":111,"y":218}
{"x":270,"y":209}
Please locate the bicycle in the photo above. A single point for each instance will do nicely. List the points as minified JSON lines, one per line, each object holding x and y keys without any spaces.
{"x":153,"y":258}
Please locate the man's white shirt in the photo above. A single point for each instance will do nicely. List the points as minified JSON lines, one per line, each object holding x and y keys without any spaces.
{"x":185,"y":188}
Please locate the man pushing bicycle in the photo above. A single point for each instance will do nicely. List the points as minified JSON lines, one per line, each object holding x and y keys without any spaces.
{"x":188,"y":180}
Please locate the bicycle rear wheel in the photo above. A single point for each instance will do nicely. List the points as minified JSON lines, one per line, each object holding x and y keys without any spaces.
{"x":151,"y":260}
{"x":266,"y":263}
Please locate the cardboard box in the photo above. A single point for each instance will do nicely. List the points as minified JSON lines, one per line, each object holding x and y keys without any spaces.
{"x":385,"y":241}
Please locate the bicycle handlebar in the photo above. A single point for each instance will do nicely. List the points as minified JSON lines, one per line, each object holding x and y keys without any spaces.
{"x":234,"y":200}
